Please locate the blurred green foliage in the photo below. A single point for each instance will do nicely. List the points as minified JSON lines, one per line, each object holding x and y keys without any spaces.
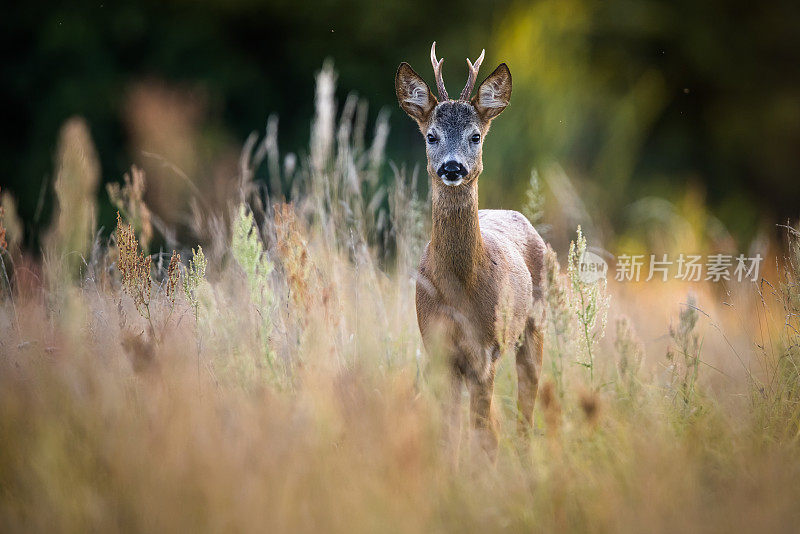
{"x":638,"y":98}
{"x":632,"y":98}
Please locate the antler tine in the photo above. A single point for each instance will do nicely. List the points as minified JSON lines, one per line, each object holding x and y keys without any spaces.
{"x":437,"y":71}
{"x":471,"y":76}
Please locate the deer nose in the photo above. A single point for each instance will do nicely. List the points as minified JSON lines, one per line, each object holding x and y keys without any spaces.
{"x":452,"y":170}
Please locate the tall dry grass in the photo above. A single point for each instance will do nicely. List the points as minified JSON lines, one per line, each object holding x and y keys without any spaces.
{"x":285,"y":388}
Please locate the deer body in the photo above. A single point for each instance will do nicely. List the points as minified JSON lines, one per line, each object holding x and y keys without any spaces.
{"x":480,"y":284}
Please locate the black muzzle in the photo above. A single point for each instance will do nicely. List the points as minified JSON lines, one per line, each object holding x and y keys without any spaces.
{"x":452,"y":170}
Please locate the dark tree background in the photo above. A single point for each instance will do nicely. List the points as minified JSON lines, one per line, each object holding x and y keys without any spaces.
{"x":659,"y":95}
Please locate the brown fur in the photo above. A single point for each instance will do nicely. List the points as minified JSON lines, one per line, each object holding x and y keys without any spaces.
{"x":480,"y":285}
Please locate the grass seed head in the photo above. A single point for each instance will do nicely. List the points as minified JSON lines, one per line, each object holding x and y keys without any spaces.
{"x":129,"y":199}
{"x":173,"y":276}
{"x":134,"y":267}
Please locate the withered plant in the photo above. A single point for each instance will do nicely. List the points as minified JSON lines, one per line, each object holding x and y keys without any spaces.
{"x":129,"y":200}
{"x":134,"y":268}
{"x":299,"y":269}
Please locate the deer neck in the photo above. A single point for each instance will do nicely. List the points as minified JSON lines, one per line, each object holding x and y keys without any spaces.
{"x":456,"y":235}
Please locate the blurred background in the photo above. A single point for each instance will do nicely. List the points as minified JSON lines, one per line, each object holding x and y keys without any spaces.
{"x":630,"y":113}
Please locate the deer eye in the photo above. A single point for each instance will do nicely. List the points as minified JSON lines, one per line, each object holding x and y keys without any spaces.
{"x":476,"y":138}
{"x":432,"y":139}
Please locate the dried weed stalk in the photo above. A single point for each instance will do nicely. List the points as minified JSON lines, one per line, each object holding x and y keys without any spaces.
{"x":134,"y":268}
{"x":129,"y":199}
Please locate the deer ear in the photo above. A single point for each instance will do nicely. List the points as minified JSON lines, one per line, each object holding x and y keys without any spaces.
{"x":494,"y":93}
{"x":413,"y":93}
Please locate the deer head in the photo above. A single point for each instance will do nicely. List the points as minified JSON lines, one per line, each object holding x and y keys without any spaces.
{"x":454,"y":130}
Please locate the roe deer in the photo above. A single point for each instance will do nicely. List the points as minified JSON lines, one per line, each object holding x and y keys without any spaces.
{"x":480,"y":282}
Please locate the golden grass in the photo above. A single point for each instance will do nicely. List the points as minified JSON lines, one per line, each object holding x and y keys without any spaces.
{"x":179,"y":421}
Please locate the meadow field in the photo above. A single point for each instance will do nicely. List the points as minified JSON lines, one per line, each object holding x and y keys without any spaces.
{"x":260,"y":367}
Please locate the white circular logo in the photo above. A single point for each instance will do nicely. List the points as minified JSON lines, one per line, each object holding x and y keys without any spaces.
{"x":591,"y":267}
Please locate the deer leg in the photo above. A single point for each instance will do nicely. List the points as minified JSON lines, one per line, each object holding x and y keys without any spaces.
{"x":453,"y":414}
{"x":480,"y":404}
{"x":529,"y":365}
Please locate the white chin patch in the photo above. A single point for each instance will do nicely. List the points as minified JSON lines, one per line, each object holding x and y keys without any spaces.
{"x":452,"y":183}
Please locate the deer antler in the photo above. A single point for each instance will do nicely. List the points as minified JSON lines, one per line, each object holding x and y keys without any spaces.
{"x":472,"y":76}
{"x":437,"y":71}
